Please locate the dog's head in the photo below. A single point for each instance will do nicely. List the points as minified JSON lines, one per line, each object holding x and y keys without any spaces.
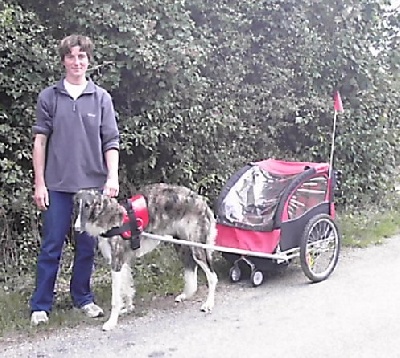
{"x":96,"y":213}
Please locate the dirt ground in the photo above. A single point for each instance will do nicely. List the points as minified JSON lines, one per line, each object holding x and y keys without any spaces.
{"x":354,"y":313}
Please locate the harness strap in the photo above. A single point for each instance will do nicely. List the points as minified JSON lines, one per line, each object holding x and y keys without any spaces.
{"x":118,"y":230}
{"x":129,"y":230}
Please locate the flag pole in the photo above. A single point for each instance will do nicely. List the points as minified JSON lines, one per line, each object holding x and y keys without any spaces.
{"x":338,"y":107}
{"x":332,"y":144}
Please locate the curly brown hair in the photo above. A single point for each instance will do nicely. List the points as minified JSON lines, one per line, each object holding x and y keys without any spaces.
{"x":84,"y":42}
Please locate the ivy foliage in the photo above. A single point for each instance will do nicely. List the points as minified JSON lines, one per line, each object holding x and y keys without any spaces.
{"x":203,"y":87}
{"x":279,"y":63}
{"x":26,"y":66}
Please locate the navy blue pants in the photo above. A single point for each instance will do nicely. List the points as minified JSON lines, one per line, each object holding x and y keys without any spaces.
{"x":56,"y":225}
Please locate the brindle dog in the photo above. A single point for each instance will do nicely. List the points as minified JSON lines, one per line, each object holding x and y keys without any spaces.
{"x":173,"y":210}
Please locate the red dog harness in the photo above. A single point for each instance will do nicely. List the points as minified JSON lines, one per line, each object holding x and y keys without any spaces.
{"x":135,"y":220}
{"x":136,"y":205}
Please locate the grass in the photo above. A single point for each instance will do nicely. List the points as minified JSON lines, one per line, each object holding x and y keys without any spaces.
{"x":368,"y":228}
{"x":156,"y":276}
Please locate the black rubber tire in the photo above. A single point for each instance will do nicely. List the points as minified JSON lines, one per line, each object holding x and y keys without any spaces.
{"x":256,"y":278}
{"x":235,"y":273}
{"x":322,"y":232}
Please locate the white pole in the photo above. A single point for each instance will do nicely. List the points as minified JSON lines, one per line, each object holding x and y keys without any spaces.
{"x":332,"y":145}
{"x":167,"y":238}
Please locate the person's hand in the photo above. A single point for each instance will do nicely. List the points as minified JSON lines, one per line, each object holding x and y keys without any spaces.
{"x":111,"y":188}
{"x":41,"y":197}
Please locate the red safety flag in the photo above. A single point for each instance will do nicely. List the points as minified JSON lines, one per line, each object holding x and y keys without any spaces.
{"x":337,"y":105}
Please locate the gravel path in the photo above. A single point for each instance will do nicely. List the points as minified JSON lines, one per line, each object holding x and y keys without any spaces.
{"x":352,"y":314}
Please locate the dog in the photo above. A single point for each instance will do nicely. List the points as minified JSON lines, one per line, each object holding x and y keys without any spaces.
{"x":171,"y":210}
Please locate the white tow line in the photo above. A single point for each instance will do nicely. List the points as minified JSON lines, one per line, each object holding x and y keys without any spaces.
{"x":284,"y":256}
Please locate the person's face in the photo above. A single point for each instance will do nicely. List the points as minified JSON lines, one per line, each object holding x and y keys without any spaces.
{"x":76,"y":63}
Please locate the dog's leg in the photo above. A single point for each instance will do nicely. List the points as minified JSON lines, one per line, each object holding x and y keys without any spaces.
{"x":118,"y":262}
{"x":190,"y":274}
{"x":190,"y":284}
{"x":212,"y":280}
{"x":128,"y":289}
{"x":105,"y":249}
{"x":116,"y":300}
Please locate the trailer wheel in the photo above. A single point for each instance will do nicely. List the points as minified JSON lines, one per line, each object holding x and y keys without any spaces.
{"x":256,"y":278}
{"x":235,"y":273}
{"x":320,"y":247}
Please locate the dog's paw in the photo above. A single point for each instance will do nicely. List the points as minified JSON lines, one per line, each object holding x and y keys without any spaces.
{"x":207,"y":307}
{"x":109,"y":325}
{"x":128,"y":309}
{"x":180,"y":297}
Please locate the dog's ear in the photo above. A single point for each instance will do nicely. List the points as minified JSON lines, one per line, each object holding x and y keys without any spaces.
{"x":99,"y":203}
{"x":109,"y":204}
{"x":116,"y":211}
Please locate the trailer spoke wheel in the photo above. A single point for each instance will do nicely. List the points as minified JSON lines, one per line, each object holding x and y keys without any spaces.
{"x":235,"y":273}
{"x":256,"y":278}
{"x":320,"y":247}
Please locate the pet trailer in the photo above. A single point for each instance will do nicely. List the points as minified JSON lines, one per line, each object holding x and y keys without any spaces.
{"x":273,"y":211}
{"x":270,"y":212}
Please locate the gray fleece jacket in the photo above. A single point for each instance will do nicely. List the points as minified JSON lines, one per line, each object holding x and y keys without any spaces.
{"x":79,"y":132}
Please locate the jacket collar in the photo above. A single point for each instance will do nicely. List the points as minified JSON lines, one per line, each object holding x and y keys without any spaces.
{"x":90,"y":87}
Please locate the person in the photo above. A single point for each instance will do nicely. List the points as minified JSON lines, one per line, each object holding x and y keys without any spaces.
{"x":76,"y":146}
